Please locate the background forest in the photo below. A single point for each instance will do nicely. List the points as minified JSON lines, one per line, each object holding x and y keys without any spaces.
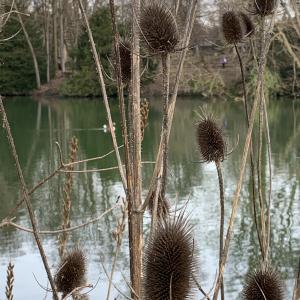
{"x":62,"y":52}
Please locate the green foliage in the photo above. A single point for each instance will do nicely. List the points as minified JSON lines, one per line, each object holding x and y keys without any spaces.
{"x":272,"y":82}
{"x":17,"y":74}
{"x":281,"y":62}
{"x":84,"y":82}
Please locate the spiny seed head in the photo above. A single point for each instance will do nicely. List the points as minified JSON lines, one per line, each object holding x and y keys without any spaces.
{"x":232,"y":27}
{"x":169,"y":261}
{"x":163,"y":206}
{"x":210,"y":140}
{"x":125,"y":57}
{"x":71,"y":272}
{"x":264,"y":7}
{"x":158,"y":28}
{"x":262,"y":284}
{"x":248,"y":24}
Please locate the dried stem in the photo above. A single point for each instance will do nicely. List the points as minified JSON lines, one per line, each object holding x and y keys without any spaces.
{"x":118,"y":236}
{"x":135,"y":220}
{"x":67,"y":196}
{"x":9,"y":222}
{"x":104,"y":94}
{"x":166,"y":87}
{"x":27,"y":199}
{"x":251,"y":149}
{"x":236,"y":197}
{"x":222,"y":221}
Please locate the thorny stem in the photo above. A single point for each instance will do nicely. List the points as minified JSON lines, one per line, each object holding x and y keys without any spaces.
{"x":166,"y":86}
{"x":135,"y":220}
{"x":27,"y":199}
{"x":260,"y":141}
{"x":251,"y":149}
{"x":270,"y":176}
{"x":222,"y":221}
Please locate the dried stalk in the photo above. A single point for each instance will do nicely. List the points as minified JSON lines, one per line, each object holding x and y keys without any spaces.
{"x":118,"y":236}
{"x":59,"y":231}
{"x":67,"y":196}
{"x":222,"y":221}
{"x":236,"y":197}
{"x":135,"y":220}
{"x":56,"y":171}
{"x":9,"y":281}
{"x":251,"y":148}
{"x":104,"y":94}
{"x":166,"y":87}
{"x":27,"y":199}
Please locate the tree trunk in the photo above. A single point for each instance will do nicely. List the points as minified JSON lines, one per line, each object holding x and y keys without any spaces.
{"x":61,"y":32}
{"x":35,"y":62}
{"x":55,"y":60}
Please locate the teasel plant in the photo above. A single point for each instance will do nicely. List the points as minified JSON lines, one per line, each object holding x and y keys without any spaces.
{"x":236,"y":26}
{"x":264,"y":9}
{"x":71,"y":273}
{"x":263,"y":283}
{"x":9,"y":281}
{"x":132,"y":177}
{"x":264,"y":44}
{"x":160,"y":36}
{"x":212,"y":146}
{"x":170,"y":260}
{"x":67,"y":197}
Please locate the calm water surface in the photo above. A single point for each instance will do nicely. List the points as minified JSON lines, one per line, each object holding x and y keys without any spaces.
{"x":37,"y":125}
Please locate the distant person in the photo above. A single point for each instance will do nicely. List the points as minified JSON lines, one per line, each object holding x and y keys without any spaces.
{"x":224,"y":62}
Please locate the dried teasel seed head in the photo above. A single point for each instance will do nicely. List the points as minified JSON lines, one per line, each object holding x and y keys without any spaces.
{"x":163,"y":206}
{"x":262,"y":284}
{"x":158,"y":28}
{"x":249,"y":26}
{"x":71,"y":272}
{"x":233,"y":29}
{"x":264,"y":7}
{"x":210,"y":140}
{"x":169,"y":261}
{"x":125,"y":58}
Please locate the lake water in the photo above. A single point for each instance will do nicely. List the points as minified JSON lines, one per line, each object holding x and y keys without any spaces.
{"x":37,"y":125}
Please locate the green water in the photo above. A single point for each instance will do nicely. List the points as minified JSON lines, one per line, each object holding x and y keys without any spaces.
{"x":36,"y":125}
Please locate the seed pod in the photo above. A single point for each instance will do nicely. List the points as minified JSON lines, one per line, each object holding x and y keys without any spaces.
{"x":247,"y":22}
{"x":71,"y":272}
{"x":233,"y":30}
{"x":125,"y":57}
{"x":158,"y":29}
{"x":169,"y":261}
{"x":262,"y":284}
{"x":210,"y":140}
{"x":264,"y":7}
